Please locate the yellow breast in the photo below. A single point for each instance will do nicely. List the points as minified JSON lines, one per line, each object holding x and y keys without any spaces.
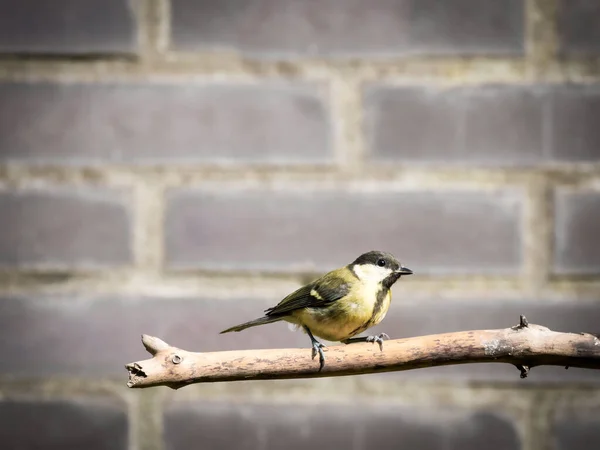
{"x":345,"y":318}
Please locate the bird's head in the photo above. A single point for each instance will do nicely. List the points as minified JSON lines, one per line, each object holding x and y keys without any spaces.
{"x":379,"y":267}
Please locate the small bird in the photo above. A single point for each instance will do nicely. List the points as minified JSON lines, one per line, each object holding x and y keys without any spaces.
{"x":341,"y":303}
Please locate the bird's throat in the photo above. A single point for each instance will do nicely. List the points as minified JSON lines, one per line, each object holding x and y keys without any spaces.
{"x":389,"y":281}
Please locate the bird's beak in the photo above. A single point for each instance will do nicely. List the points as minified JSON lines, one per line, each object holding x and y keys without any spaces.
{"x":404,"y":271}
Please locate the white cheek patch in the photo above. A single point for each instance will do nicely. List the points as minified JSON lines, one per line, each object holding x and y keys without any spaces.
{"x":370,"y":272}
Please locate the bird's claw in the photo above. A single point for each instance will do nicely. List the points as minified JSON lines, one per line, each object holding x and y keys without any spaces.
{"x":378,"y":339}
{"x":318,"y":348}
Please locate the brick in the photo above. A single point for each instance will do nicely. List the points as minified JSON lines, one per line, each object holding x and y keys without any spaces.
{"x":576,"y":245}
{"x":578,"y":26}
{"x":246,"y":426}
{"x":61,"y":424}
{"x":51,"y":335}
{"x":576,"y":429}
{"x":47,"y":335}
{"x":66,"y":26}
{"x":301,"y":426}
{"x":493,"y":125}
{"x":440,"y":428}
{"x":286,"y":230}
{"x":339,"y":28}
{"x":64,"y":228}
{"x":574,"y":124}
{"x":471,"y":27}
{"x":273,"y":123}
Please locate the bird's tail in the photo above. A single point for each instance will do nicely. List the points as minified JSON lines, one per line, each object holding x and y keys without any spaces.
{"x":253,"y":323}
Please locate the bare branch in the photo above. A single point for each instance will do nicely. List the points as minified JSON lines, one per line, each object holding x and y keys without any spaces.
{"x":525,"y":346}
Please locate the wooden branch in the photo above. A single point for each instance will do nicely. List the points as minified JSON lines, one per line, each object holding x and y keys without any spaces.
{"x":525,"y":346}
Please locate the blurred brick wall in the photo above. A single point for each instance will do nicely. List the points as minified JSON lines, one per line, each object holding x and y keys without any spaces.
{"x":173,"y":168}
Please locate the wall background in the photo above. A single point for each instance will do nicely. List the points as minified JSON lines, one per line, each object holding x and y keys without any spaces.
{"x":174,"y":168}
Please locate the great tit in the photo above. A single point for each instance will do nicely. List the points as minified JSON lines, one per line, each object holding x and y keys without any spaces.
{"x":341,"y":303}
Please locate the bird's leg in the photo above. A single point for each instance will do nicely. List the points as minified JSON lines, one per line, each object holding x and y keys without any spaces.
{"x":317,"y":347}
{"x":378,"y":339}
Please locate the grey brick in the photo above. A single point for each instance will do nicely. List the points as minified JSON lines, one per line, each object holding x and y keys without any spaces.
{"x":576,"y":243}
{"x":577,"y":429}
{"x":467,"y":26}
{"x":340,"y":28}
{"x":483,"y":125}
{"x":578,"y":28}
{"x":323,"y":426}
{"x":247,"y":426}
{"x":493,"y":125}
{"x":440,"y":428}
{"x":67,"y":26}
{"x":92,"y":424}
{"x":286,"y":230}
{"x":54,"y":335}
{"x":574,"y":124}
{"x":50,"y":335}
{"x":274,"y":123}
{"x":64,"y":228}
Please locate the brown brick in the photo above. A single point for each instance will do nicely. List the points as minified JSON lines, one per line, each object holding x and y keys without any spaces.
{"x":340,"y":28}
{"x":54,"y":335}
{"x":92,"y":424}
{"x":282,"y":231}
{"x":64,"y":228}
{"x":301,"y":426}
{"x":577,"y":429}
{"x":274,"y":123}
{"x":578,"y":21}
{"x":574,"y":125}
{"x":576,"y":243}
{"x":66,"y":26}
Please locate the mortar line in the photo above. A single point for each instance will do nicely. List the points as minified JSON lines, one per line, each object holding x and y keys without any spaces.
{"x":148,"y":421}
{"x":22,"y":174}
{"x":540,"y":428}
{"x":227,"y":286}
{"x":347,"y":122}
{"x":133,"y":422}
{"x":541,"y":41}
{"x":153,"y":29}
{"x":149,"y":211}
{"x":536,"y":233}
{"x":157,"y":63}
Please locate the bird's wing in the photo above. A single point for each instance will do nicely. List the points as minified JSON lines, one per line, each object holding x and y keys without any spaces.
{"x":319,"y":293}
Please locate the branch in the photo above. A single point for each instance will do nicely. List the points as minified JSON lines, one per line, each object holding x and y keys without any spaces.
{"x":525,"y":346}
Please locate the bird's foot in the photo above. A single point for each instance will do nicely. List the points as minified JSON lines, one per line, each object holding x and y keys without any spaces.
{"x":317,"y":347}
{"x":378,"y":339}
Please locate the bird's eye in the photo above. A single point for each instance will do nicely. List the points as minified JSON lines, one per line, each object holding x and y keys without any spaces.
{"x":381,"y":262}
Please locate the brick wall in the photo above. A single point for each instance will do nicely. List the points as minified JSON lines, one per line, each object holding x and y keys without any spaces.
{"x":174,"y":168}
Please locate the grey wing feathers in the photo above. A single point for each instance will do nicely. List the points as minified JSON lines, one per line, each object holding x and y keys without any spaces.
{"x":319,"y":293}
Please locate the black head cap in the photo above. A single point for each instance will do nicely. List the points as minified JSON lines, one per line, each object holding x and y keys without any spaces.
{"x":381,"y":259}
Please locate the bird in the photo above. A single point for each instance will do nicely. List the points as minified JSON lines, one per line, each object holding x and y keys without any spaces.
{"x":340,"y":304}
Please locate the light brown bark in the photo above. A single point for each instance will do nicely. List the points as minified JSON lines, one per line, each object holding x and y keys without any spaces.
{"x":525,"y":346}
